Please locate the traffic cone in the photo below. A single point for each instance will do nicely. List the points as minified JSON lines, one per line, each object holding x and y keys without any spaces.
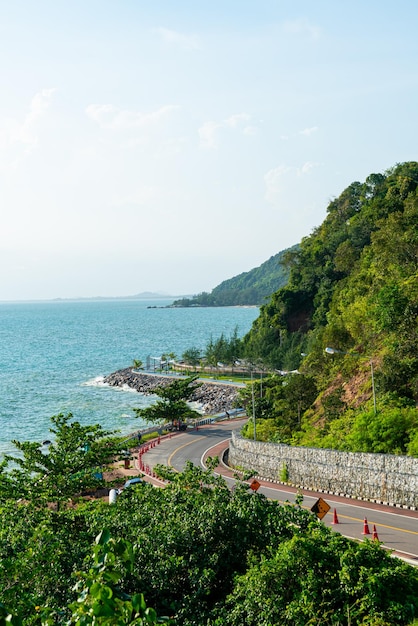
{"x":335,"y":518}
{"x":375,"y":536}
{"x":366,"y":530}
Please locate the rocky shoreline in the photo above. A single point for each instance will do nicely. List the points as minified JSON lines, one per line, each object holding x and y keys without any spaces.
{"x":212,"y":397}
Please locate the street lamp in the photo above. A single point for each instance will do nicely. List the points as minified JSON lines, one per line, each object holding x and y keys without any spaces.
{"x":329,"y":350}
{"x":253,"y":403}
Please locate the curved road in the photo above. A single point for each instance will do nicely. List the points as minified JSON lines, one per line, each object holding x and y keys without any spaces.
{"x":397,"y":528}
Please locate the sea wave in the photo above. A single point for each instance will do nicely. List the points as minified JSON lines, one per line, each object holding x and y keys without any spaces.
{"x":98,"y":381}
{"x":128,"y":388}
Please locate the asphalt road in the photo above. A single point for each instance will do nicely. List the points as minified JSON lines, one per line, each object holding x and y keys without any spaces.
{"x":397,"y":529}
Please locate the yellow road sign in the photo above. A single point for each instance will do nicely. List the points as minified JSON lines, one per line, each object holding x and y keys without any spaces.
{"x":320,"y":508}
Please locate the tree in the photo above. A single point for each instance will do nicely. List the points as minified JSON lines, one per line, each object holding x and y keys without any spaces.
{"x":322,"y":578}
{"x":191,"y":356}
{"x":63,"y":467}
{"x":300,"y":391}
{"x":101,"y":602}
{"x":199,"y":552}
{"x":173,"y":403}
{"x":223,"y":350}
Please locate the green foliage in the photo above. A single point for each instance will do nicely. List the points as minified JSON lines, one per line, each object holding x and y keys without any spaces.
{"x":393,"y":430}
{"x":388,"y":432}
{"x":249,"y":288}
{"x":198,"y":552}
{"x":223,"y":350}
{"x":173,"y":403}
{"x":192,"y":356}
{"x":353,"y":285}
{"x":284,"y":473}
{"x":322,"y":579}
{"x":100,"y":599}
{"x":149,"y":436}
{"x":7,"y":618}
{"x":71,"y":463}
{"x":279,"y":404}
{"x":333,"y":404}
{"x":413,"y":442}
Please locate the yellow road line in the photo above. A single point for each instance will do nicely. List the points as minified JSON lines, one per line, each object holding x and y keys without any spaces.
{"x":356,"y":519}
{"x":189,"y":443}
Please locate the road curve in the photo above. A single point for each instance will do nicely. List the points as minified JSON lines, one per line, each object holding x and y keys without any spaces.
{"x":397,"y":529}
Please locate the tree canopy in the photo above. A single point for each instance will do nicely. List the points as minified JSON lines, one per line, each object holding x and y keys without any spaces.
{"x":71,"y":462}
{"x":198,"y":553}
{"x":172,"y":405}
{"x":353,"y":285}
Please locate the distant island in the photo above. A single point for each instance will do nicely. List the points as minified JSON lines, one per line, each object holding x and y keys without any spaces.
{"x":144,"y":295}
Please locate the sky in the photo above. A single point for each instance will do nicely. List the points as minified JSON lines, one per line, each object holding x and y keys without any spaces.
{"x":166,"y":146}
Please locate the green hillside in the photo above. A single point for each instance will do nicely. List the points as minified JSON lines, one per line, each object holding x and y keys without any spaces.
{"x":249,"y":288}
{"x":353,"y":287}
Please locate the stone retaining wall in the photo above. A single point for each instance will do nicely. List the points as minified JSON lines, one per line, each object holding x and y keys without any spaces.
{"x":383,"y":478}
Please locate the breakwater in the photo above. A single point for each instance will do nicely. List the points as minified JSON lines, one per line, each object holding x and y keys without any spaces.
{"x":384,"y":478}
{"x":212,"y":397}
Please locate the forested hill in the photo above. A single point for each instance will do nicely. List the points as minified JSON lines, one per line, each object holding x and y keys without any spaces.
{"x":353,"y":287}
{"x":249,"y":288}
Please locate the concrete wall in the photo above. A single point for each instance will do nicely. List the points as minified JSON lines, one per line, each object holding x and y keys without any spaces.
{"x":377,"y":477}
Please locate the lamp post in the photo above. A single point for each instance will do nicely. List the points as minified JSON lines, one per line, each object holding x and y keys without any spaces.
{"x":329,"y":350}
{"x":253,"y":403}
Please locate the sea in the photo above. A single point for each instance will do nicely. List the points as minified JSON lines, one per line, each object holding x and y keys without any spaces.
{"x":54,"y":356}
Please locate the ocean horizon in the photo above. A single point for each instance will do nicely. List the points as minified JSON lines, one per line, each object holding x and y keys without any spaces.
{"x":54,"y":355}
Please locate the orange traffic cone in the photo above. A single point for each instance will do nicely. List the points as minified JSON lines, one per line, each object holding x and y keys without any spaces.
{"x":375,"y":536}
{"x":335,"y":518}
{"x":366,"y":530}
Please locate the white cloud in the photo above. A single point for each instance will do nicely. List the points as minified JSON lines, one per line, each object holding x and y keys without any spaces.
{"x":281,"y":178}
{"x":26,"y":132}
{"x":187,"y":42}
{"x":209,"y":131}
{"x":38,"y":106}
{"x":309,"y":131}
{"x":302,"y":27}
{"x":307,"y":167}
{"x":18,"y":138}
{"x":110,"y":117}
{"x":275,"y":180}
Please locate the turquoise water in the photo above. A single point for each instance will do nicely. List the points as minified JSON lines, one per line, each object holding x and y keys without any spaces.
{"x":54,"y":355}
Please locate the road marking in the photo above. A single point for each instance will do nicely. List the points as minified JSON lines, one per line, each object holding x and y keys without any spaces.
{"x":189,"y":443}
{"x":355,"y":519}
{"x":402,"y":530}
{"x":202,"y":458}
